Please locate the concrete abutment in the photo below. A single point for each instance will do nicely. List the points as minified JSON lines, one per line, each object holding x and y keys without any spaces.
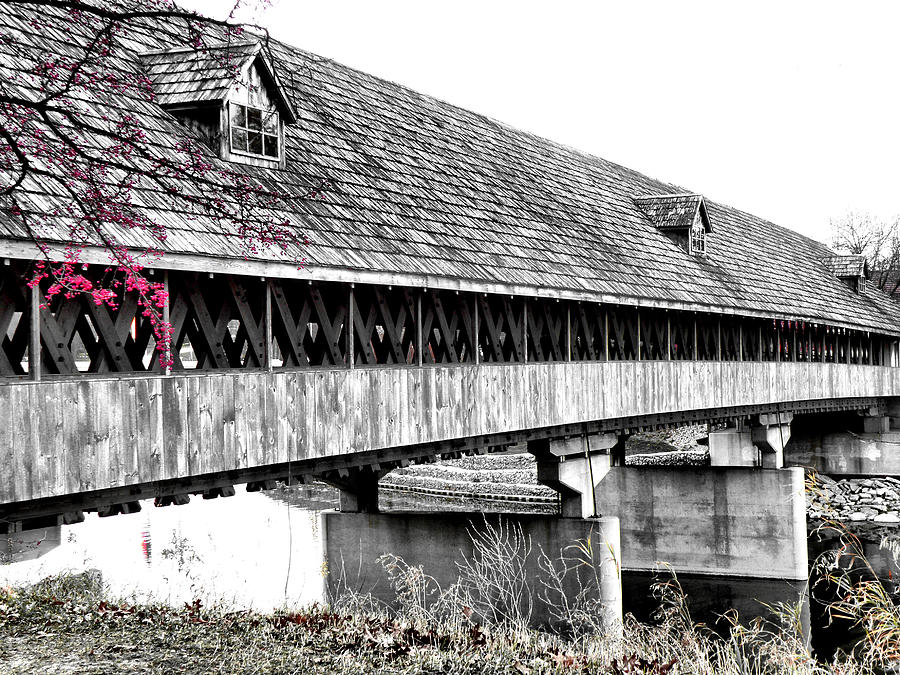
{"x":439,"y":542}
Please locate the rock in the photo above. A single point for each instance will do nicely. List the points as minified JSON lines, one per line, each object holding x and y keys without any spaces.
{"x":887,"y":518}
{"x":856,"y":516}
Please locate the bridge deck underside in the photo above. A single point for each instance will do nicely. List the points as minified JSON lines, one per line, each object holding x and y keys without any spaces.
{"x":93,"y":440}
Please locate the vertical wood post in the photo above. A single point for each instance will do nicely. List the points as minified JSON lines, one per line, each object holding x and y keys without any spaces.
{"x":525,"y":328}
{"x":606,"y":333}
{"x":568,"y":331}
{"x":778,"y":335}
{"x":759,"y":349}
{"x":808,"y":344}
{"x":267,"y":347}
{"x":167,"y":320}
{"x":719,"y":337}
{"x":351,"y":352}
{"x":420,"y":341}
{"x":794,"y":355}
{"x":638,"y":350}
{"x":740,"y":340}
{"x":871,"y":350}
{"x":668,"y":336}
{"x":34,"y":343}
{"x":696,"y":352}
{"x":477,"y":338}
{"x":849,"y":343}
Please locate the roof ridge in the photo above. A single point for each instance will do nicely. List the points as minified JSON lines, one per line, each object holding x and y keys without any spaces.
{"x":185,"y":50}
{"x":669,"y":196}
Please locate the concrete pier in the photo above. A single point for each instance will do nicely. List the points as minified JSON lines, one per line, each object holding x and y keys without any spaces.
{"x":438,"y":542}
{"x":719,"y":521}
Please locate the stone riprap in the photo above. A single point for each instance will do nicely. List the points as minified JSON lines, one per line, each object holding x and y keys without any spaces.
{"x":510,"y":476}
{"x":699,"y":457}
{"x":855,"y":500}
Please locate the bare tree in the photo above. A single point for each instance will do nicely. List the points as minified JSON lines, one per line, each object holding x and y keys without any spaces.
{"x":878,"y":240}
{"x":77,"y":166}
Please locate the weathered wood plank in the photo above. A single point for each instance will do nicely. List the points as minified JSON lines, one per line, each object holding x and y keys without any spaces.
{"x":8,"y":435}
{"x":98,"y":433}
{"x":269,"y":421}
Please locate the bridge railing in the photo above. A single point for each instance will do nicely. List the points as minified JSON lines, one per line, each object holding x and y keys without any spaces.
{"x":237,"y":322}
{"x":93,"y":434}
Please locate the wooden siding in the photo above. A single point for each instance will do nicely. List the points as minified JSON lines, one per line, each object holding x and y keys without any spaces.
{"x":71,"y":436}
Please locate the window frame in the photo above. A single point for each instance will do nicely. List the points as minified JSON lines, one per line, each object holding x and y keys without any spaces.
{"x":697,"y":233}
{"x":262,"y":133}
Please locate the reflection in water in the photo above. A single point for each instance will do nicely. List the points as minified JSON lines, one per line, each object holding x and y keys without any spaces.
{"x":709,"y":597}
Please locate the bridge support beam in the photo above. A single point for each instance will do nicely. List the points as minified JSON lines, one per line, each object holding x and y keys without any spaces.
{"x":770,"y":433}
{"x":358,"y":487}
{"x":439,"y":542}
{"x":760,"y":444}
{"x":574,"y":466}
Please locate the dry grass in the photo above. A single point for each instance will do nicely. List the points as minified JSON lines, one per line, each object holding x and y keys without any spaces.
{"x":69,"y":625}
{"x":65,"y":625}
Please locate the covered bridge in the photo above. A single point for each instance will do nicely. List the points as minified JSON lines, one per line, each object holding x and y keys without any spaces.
{"x":464,"y":285}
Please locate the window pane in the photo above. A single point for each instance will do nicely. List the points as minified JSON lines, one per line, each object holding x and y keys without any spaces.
{"x":238,"y":115}
{"x":238,"y":139}
{"x":255,"y":143}
{"x":270,"y":123}
{"x":270,"y":144}
{"x":254,"y":119}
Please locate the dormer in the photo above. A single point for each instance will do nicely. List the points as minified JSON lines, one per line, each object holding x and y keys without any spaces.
{"x":229,"y":94}
{"x":682,"y":218}
{"x":853,"y":270}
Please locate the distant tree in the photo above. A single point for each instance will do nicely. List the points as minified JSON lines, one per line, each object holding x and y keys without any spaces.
{"x":75,"y":167}
{"x":877,"y":240}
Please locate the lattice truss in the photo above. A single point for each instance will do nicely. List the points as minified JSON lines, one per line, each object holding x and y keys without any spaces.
{"x":228,"y":322}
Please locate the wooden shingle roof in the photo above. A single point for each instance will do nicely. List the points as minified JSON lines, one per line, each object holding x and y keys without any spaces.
{"x":428,"y":194}
{"x":186,"y":76}
{"x":847,"y":266}
{"x":674,"y":212}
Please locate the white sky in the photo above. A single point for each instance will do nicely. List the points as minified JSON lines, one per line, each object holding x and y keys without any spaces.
{"x":788,"y":110}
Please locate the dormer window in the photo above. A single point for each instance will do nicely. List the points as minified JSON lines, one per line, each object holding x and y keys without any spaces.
{"x":229,"y":95}
{"x":255,"y":131}
{"x":682,"y":218}
{"x":852,"y":269}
